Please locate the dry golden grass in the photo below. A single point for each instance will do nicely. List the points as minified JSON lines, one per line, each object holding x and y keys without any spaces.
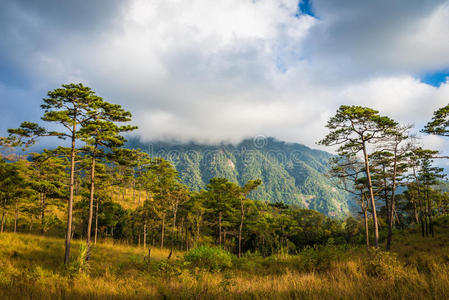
{"x":131,"y":199}
{"x":30,"y":268}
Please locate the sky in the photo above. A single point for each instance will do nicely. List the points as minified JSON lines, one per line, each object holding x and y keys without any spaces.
{"x":214,"y":71}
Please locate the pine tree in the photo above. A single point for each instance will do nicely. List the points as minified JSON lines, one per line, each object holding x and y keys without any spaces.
{"x":70,"y":106}
{"x":11,"y":187}
{"x":248,"y":188}
{"x":439,"y":125}
{"x":101,"y":133}
{"x":46,"y":178}
{"x":352,"y":129}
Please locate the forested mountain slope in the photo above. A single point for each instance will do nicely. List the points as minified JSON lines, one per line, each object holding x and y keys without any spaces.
{"x":291,"y":173}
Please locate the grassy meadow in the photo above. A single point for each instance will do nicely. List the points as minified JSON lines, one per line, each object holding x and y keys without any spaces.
{"x":417,"y":268}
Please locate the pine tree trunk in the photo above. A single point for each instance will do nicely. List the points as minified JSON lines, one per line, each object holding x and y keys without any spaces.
{"x":3,"y":220}
{"x":43,"y":206}
{"x":396,"y":217}
{"x":16,"y":216}
{"x":187,"y":237}
{"x":224,"y":239}
{"x":145,"y":235}
{"x":3,"y":216}
{"x":420,"y":212}
{"x":429,"y":209}
{"x":180,"y":234}
{"x":68,"y":236}
{"x":422,"y":226}
{"x":426,"y":225}
{"x":163,"y":231}
{"x":219,"y":227}
{"x":2,"y":227}
{"x":134,"y":190}
{"x":197,"y":236}
{"x":91,"y":207}
{"x":365,"y":219}
{"x":431,"y":226}
{"x":415,"y":211}
{"x":392,"y":204}
{"x":242,"y":216}
{"x":172,"y":243}
{"x":175,"y":210}
{"x":385,"y":190}
{"x":371,"y":193}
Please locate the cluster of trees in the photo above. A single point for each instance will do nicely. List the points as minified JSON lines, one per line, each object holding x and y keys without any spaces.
{"x":80,"y":115}
{"x":86,"y":176}
{"x":140,"y":200}
{"x":106,"y":191}
{"x":381,"y":163}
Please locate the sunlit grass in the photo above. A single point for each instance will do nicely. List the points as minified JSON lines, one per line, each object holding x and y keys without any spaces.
{"x":31,"y":268}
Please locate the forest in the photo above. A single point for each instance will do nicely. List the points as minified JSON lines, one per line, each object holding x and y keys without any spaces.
{"x":91,"y":218}
{"x":290,"y":172}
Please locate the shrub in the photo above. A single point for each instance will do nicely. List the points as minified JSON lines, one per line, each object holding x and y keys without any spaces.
{"x":320,"y":258}
{"x":249,"y":262}
{"x":442,"y":220}
{"x":384,"y":265}
{"x":209,"y":258}
{"x":169,"y":268}
{"x":79,"y":264}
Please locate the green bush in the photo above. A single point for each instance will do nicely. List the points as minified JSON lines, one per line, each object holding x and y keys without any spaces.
{"x":249,"y":262}
{"x":442,"y":220}
{"x":320,"y":258}
{"x":169,"y":268}
{"x":209,"y":258}
{"x":79,"y":264}
{"x":384,"y":265}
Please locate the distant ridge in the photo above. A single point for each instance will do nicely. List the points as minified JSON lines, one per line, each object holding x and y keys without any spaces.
{"x":291,"y":173}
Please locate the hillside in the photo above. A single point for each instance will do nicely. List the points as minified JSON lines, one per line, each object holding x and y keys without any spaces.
{"x":291,"y":173}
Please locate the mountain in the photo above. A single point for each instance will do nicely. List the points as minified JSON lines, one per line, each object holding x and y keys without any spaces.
{"x":291,"y":173}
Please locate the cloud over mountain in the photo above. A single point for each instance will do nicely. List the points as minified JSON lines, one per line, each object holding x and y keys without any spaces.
{"x":224,"y":70}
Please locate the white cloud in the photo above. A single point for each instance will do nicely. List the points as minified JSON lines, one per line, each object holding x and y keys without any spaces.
{"x":403,"y":98}
{"x":386,"y":37}
{"x":224,"y":70}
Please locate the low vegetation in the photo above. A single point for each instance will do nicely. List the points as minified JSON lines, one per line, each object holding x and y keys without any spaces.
{"x":31,"y":268}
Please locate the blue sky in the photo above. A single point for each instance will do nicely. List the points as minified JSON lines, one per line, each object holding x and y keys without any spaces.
{"x":305,"y":7}
{"x":214,"y":71}
{"x":435,"y":78}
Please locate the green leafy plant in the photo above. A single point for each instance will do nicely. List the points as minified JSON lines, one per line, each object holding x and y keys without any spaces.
{"x":384,"y":265}
{"x":212,"y":259}
{"x":79,"y":265}
{"x":170,"y":268}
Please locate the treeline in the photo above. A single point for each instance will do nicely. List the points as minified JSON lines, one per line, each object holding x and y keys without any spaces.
{"x":381,"y":163}
{"x":139,"y":200}
{"x":84,"y":177}
{"x":96,"y":189}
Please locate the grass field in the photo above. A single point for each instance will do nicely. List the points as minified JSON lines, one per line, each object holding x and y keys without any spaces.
{"x":30,"y":268}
